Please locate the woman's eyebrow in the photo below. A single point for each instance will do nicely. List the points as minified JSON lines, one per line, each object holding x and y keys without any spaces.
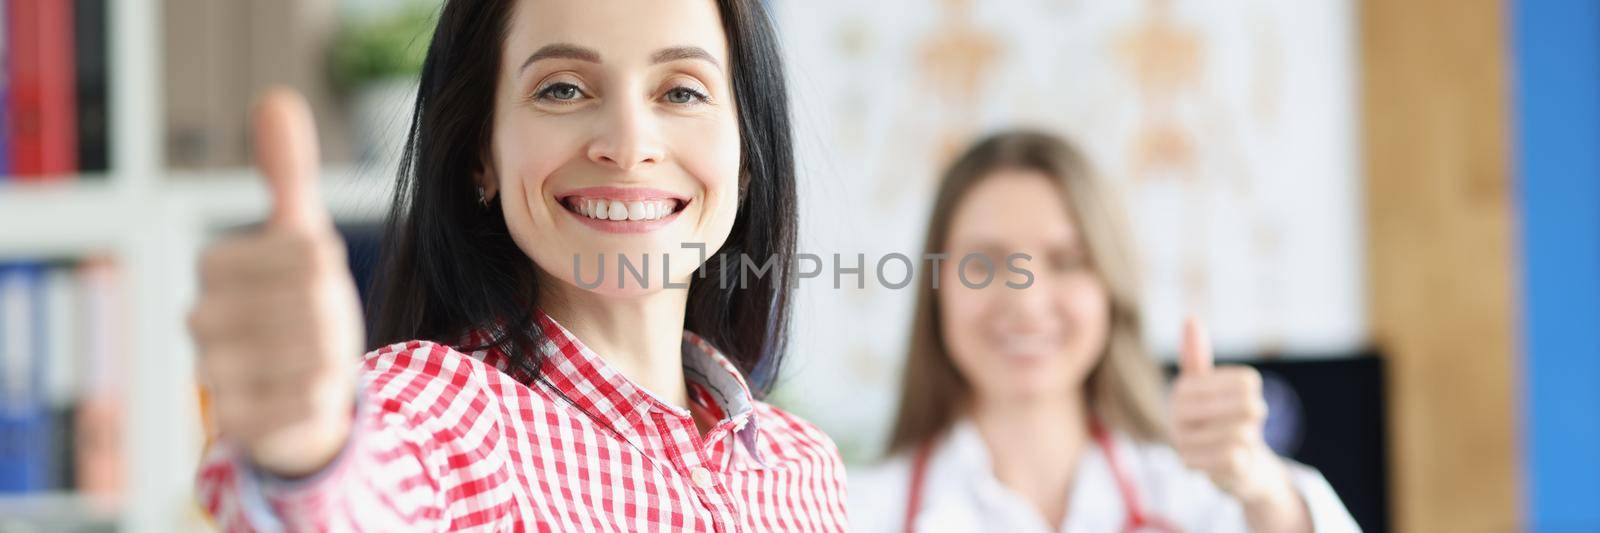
{"x":561,"y":51}
{"x":683,"y":52}
{"x":572,"y":51}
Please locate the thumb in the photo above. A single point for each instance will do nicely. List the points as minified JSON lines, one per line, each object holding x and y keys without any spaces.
{"x":286,"y":152}
{"x":1196,"y":355}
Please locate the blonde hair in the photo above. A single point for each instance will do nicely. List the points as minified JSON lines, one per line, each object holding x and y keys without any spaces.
{"x":1124,"y":387}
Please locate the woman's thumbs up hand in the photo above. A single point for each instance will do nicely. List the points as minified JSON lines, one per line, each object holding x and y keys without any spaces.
{"x":278,"y":325}
{"x":1218,"y":414}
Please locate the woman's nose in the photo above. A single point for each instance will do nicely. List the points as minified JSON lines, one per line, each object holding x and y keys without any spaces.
{"x":626,"y":138}
{"x":1029,"y":306}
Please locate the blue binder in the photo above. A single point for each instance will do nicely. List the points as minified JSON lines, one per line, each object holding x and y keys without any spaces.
{"x":24,"y":420}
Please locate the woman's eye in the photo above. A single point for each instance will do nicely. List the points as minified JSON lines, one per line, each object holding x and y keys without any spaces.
{"x":684,"y":95}
{"x":1069,"y":262}
{"x":977,"y":267}
{"x":560,"y":92}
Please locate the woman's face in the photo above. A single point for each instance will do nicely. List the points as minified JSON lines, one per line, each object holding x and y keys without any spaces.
{"x":615,"y":133}
{"x":1028,"y":343}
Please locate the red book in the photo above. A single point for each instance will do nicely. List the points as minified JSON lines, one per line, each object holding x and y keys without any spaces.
{"x":41,"y":115}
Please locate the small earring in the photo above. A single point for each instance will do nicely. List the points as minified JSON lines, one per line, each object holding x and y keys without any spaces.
{"x":482,"y":199}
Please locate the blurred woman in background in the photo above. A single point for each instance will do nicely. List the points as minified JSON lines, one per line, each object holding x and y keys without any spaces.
{"x":1037,"y":409}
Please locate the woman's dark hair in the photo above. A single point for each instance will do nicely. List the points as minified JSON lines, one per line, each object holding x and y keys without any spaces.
{"x":450,"y":266}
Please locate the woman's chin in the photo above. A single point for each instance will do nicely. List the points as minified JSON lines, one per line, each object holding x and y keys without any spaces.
{"x":1033,"y":379}
{"x":627,"y":291}
{"x":1020,"y":392}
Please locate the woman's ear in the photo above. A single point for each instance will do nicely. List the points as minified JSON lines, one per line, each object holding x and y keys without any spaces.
{"x":488,"y":182}
{"x":487,"y":179}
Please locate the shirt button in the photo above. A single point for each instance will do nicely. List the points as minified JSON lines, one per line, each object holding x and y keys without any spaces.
{"x":701,"y":477}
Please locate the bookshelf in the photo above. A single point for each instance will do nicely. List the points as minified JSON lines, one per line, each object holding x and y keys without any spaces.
{"x":152,"y":223}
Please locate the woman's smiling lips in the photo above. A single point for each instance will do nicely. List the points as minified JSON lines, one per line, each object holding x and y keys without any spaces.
{"x":623,"y":209}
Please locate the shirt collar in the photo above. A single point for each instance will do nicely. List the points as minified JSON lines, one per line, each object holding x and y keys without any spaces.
{"x":600,"y":390}
{"x":704,"y":364}
{"x":1094,"y":504}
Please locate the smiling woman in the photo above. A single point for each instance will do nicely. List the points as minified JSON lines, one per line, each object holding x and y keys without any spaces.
{"x":1034,"y":409}
{"x":500,"y":393}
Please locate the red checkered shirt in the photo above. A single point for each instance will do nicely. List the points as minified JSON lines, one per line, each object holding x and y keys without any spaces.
{"x":447,"y":440}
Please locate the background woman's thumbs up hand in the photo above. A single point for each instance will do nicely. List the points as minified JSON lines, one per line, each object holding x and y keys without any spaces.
{"x":1217,"y":420}
{"x":278,"y":324}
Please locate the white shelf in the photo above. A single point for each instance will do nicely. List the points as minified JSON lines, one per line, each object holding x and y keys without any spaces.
{"x":235,"y":197}
{"x":73,"y":219}
{"x":113,"y":215}
{"x":53,"y":511}
{"x":61,"y":220}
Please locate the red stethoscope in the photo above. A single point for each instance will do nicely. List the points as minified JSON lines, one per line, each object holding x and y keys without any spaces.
{"x":1138,"y":519}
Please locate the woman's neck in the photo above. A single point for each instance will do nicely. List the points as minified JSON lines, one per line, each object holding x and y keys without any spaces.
{"x":1034,"y":447}
{"x":642,"y":336}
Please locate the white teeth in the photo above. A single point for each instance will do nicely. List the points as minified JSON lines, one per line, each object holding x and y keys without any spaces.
{"x":602,"y":209}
